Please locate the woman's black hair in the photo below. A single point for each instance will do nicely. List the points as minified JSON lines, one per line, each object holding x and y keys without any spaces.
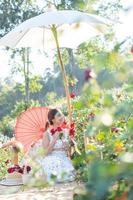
{"x":51,"y":116}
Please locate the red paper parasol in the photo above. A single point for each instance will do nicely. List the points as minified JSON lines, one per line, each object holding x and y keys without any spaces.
{"x":30,"y":126}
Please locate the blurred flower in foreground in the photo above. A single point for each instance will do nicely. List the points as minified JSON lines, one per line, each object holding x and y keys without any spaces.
{"x":89,"y":74}
{"x":127,"y":157}
{"x":106,"y":119}
{"x":132,"y":49}
{"x":119,"y":147}
{"x":116,"y":129}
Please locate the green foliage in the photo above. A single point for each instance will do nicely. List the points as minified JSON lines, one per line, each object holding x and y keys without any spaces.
{"x":105,"y":139}
{"x":7,"y":126}
{"x":34,"y":85}
{"x":51,"y":97}
{"x":14,"y":12}
{"x":67,"y":4}
{"x":22,"y":106}
{"x":4,"y":156}
{"x":106,"y":181}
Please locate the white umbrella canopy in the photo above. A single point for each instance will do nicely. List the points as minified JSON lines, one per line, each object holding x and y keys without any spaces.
{"x":56,"y":29}
{"x":69,"y":36}
{"x":73,"y":28}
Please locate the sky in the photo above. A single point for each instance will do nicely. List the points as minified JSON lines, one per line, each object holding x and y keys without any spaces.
{"x":40,"y":61}
{"x":126,"y":28}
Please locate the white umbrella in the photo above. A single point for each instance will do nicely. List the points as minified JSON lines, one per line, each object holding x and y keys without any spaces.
{"x":56,"y":29}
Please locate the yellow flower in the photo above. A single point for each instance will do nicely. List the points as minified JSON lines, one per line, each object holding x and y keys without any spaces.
{"x":119,"y":146}
{"x":100,"y":136}
{"x":91,"y":147}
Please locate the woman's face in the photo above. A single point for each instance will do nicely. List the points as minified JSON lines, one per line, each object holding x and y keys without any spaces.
{"x":59,"y":118}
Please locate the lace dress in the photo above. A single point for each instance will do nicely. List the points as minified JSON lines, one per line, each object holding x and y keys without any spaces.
{"x":57,"y":163}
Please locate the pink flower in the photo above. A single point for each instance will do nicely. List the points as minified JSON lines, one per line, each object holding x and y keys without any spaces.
{"x":115,"y":129}
{"x":89,"y":74}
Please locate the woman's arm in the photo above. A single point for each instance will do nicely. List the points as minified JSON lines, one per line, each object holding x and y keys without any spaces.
{"x":9,"y":143}
{"x":46,"y":143}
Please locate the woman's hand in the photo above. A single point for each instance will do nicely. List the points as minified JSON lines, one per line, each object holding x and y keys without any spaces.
{"x":66,"y":145}
{"x":56,"y":136}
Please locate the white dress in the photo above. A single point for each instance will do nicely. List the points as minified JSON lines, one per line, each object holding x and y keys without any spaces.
{"x":57,"y":164}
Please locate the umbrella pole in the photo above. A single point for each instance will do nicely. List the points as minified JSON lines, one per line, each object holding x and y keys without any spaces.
{"x":63,"y":73}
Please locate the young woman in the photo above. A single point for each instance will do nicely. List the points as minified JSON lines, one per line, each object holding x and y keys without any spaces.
{"x":56,"y":162}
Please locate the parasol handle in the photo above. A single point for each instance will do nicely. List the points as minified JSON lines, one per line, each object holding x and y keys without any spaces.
{"x":53,"y":28}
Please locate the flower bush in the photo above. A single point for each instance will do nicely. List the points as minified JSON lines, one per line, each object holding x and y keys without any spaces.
{"x":103,"y":121}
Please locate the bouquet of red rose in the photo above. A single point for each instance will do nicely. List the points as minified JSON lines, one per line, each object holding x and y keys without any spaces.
{"x":59,"y":130}
{"x":17,"y":168}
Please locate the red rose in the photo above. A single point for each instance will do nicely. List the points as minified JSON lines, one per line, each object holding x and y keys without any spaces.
{"x":28,"y":168}
{"x":71,"y":132}
{"x":52,"y":131}
{"x":72,"y":125}
{"x":7,"y":161}
{"x":59,"y":129}
{"x":17,"y":167}
{"x":72,"y":95}
{"x":20,"y":170}
{"x":11,"y":170}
